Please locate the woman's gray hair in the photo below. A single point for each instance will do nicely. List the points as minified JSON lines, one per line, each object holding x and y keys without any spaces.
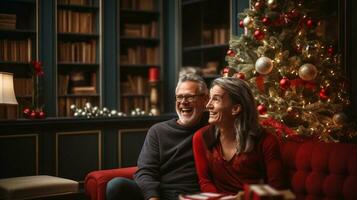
{"x":195,"y":78}
{"x":246,"y":124}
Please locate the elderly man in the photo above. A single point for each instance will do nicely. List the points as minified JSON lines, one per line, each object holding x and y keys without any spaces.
{"x":166,"y":163}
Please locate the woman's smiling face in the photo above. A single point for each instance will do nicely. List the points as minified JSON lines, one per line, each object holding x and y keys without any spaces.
{"x":221,"y":108}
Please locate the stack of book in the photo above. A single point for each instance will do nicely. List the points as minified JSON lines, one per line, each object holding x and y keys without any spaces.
{"x":7,"y":21}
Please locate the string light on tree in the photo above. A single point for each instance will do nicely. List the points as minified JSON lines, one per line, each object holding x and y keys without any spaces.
{"x":290,"y":59}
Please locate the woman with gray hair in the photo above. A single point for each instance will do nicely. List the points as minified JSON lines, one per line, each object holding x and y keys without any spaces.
{"x":234,"y":149}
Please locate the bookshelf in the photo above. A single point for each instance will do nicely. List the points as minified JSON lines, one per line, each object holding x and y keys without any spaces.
{"x":18,"y":45}
{"x":140,"y":42}
{"x":78,"y":54}
{"x":205,"y":35}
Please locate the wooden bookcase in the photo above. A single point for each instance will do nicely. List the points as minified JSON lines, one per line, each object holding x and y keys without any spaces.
{"x":140,"y":44}
{"x":78,"y":54}
{"x":205,"y":35}
{"x":18,"y":45}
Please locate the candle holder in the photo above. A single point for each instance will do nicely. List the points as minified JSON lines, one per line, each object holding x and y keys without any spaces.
{"x":154,"y":98}
{"x":154,"y":92}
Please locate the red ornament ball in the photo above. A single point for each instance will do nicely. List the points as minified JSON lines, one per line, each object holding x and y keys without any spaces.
{"x":259,"y":35}
{"x":26,"y":112}
{"x":41,"y":115}
{"x":266,"y":21}
{"x":284,"y":83}
{"x":241,"y":24}
{"x":293,"y":14}
{"x":231,"y":53}
{"x":258,"y":5}
{"x":33,"y":114}
{"x":330,"y":51}
{"x":323,"y":94}
{"x":310,"y":23}
{"x":262,"y":110}
{"x":240,"y":75}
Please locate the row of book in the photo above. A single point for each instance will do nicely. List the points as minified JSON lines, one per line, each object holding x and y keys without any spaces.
{"x":75,"y":2}
{"x":15,"y":50}
{"x":139,"y":55}
{"x":140,"y":30}
{"x":77,"y":84}
{"x":64,"y":104}
{"x":138,"y":4}
{"x":75,"y":22}
{"x":81,"y":52}
{"x":7,"y":21}
{"x":135,"y":84}
{"x":129,"y":103}
{"x":215,"y":36}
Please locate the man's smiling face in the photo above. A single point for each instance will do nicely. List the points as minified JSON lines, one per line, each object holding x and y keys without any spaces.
{"x":190,"y":103}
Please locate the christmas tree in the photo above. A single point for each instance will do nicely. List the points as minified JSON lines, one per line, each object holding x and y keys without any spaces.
{"x":289,"y":54}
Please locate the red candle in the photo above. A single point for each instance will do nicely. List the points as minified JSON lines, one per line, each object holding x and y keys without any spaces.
{"x":154,"y":74}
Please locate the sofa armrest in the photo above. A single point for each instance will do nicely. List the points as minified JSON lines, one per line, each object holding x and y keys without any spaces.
{"x":95,"y":182}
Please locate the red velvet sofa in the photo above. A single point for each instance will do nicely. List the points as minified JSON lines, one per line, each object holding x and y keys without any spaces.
{"x":315,"y":170}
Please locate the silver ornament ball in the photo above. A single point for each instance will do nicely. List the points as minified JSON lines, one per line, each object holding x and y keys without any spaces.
{"x":73,"y":107}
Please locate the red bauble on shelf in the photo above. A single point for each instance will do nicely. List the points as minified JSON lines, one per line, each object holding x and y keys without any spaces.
{"x":26,"y":112}
{"x":32,"y":115}
{"x":41,"y":115}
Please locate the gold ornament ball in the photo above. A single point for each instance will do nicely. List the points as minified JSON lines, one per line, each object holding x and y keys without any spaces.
{"x":264,"y":65}
{"x":307,"y":72}
{"x":290,"y":110}
{"x":272,"y":4}
{"x":339,"y":119}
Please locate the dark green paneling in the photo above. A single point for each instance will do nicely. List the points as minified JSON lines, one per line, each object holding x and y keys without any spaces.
{"x":18,"y":156}
{"x":78,"y":154}
{"x":47,"y":52}
{"x":110,"y":150}
{"x":130,"y":145}
{"x":170,"y":21}
{"x":110,"y":54}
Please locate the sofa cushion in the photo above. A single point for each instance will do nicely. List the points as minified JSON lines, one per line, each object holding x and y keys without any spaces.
{"x":319,"y":170}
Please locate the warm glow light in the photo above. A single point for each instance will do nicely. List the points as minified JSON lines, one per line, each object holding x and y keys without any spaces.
{"x":7,"y":94}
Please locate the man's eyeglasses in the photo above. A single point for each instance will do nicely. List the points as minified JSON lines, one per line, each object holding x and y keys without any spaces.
{"x":189,"y":98}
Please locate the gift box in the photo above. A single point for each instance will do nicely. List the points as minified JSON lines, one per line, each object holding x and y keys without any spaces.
{"x":207,"y":196}
{"x":261,"y":192}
